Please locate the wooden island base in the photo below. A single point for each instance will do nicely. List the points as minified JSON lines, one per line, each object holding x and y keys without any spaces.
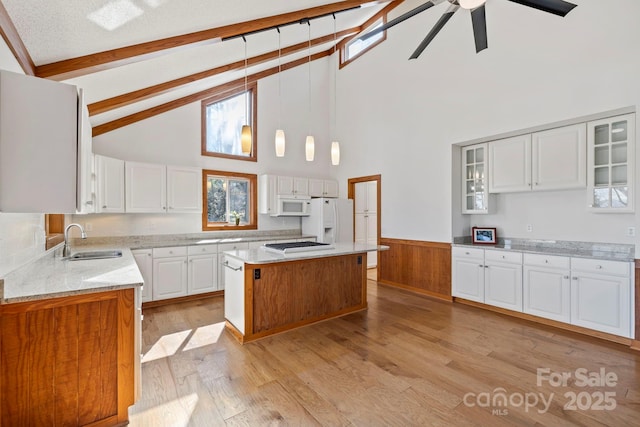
{"x":279,"y":296}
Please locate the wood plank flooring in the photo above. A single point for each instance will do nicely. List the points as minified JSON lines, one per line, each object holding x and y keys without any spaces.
{"x":406,"y":361}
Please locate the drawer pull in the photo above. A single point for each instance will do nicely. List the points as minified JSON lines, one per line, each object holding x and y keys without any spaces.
{"x":598,"y":267}
{"x":546,"y":261}
{"x":574,"y":278}
{"x":466,"y":253}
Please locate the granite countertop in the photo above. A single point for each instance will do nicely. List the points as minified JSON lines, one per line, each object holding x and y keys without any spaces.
{"x":52,"y":276}
{"x":604,"y":251}
{"x":262,"y":256}
{"x":163,"y":241}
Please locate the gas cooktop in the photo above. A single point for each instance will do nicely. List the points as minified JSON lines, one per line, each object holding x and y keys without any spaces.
{"x":296,"y":247}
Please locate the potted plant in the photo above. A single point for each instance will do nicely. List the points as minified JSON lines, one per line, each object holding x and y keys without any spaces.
{"x":236,"y":216}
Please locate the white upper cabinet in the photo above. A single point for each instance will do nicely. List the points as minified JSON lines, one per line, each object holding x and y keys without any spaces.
{"x":86,"y":174}
{"x":611,"y":146}
{"x":145,"y":187}
{"x":292,"y":186}
{"x":559,"y":158}
{"x":510,"y":164}
{"x":553,"y":159}
{"x":184,"y":189}
{"x":323,"y":188}
{"x":475,"y":191}
{"x":38,"y":145}
{"x":155,"y":188}
{"x":110,"y":184}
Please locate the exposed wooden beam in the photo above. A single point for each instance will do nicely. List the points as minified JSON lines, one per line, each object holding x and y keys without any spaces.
{"x":198,"y":96}
{"x":13,"y":40}
{"x":148,"y":92}
{"x":116,"y":57}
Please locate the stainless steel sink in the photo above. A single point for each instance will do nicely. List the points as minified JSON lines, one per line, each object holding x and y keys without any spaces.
{"x":78,"y":256}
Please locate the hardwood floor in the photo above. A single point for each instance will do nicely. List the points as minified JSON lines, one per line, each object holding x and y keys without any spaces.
{"x":407,"y":360}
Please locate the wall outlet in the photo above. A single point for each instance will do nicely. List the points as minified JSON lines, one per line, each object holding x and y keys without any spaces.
{"x":529,"y":228}
{"x":631,"y":231}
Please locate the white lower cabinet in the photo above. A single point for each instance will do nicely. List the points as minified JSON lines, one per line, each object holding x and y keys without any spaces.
{"x":144,"y":259}
{"x":592,"y":293}
{"x":467,"y":274}
{"x":222,"y":247}
{"x":203,"y":269}
{"x":503,"y":279}
{"x":601,"y":295}
{"x":547,"y":286}
{"x":169,"y":272}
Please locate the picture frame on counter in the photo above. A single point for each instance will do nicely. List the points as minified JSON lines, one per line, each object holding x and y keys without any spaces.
{"x":484,"y":235}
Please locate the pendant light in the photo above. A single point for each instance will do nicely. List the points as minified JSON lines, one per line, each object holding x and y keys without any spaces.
{"x":246,"y":134}
{"x":280,"y":140}
{"x":335,"y":145}
{"x":309,"y":145}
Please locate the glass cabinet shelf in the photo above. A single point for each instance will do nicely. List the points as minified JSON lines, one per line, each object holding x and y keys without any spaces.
{"x":610,"y":173}
{"x":475,"y":192}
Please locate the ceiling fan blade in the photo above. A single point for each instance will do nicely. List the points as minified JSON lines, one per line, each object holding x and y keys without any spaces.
{"x":435,"y":30}
{"x":479,"y":22}
{"x":557,"y":7}
{"x":399,"y":19}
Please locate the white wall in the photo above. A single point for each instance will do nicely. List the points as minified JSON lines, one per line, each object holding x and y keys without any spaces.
{"x":21,"y":235}
{"x":174,"y":138}
{"x":400,"y":118}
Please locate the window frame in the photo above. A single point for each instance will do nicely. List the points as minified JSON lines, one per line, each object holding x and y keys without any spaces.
{"x":253,"y":201}
{"x":344,"y":44}
{"x":252,"y":87}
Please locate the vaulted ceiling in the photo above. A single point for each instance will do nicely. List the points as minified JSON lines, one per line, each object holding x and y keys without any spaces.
{"x":136,"y":56}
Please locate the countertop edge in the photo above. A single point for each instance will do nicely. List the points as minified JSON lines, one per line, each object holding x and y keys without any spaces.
{"x":602,"y":255}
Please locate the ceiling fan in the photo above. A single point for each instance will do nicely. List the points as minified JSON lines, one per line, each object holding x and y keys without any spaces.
{"x":478,"y":19}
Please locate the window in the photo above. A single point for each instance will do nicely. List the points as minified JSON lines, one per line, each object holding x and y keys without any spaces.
{"x":356,"y":47}
{"x":222,"y":118}
{"x":228,"y":195}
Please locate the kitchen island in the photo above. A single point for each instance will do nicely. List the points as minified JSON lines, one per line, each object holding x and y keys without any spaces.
{"x":268,"y":293}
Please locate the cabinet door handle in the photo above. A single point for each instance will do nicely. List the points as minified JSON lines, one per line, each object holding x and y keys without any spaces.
{"x":104,"y":206}
{"x":598,"y":267}
{"x":466,"y":253}
{"x":574,"y":278}
{"x":481,"y":266}
{"x":546,"y":261}
{"x":226,"y":264}
{"x":486,"y":266}
{"x":565,"y":277}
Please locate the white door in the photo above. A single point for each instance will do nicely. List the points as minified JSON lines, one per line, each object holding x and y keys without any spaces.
{"x":468,"y":279}
{"x":360,"y":199}
{"x":169,"y":277}
{"x":184,"y":189}
{"x":503,"y":286}
{"x":547,"y":293}
{"x":146,"y":187}
{"x":361,"y":228}
{"x":145,"y":265}
{"x":510,"y":164}
{"x":601,"y":302}
{"x":372,"y":238}
{"x":110,"y":181}
{"x":559,"y":158}
{"x":203,"y":274}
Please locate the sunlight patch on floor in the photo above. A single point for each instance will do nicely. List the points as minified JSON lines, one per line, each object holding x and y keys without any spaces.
{"x":205,"y":335}
{"x":166,"y":346}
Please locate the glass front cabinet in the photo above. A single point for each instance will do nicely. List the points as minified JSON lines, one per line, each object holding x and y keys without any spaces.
{"x":475,"y":191}
{"x":611,"y":164}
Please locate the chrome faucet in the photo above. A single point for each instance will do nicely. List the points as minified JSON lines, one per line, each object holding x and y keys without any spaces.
{"x":66,"y":250}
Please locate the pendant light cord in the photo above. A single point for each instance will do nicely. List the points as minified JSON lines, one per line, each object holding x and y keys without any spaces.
{"x":246,"y":94}
{"x":279,"y":78}
{"x":309,"y":124}
{"x":335,"y":80}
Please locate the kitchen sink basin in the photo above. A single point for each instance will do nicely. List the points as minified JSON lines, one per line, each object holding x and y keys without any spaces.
{"x":78,"y":256}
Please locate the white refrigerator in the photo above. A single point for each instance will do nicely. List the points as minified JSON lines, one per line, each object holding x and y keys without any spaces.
{"x":330,"y":220}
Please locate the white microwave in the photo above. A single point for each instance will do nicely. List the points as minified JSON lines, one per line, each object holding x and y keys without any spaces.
{"x":286,"y":206}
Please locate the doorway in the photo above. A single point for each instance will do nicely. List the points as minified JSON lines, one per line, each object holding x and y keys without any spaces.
{"x":365,"y":193}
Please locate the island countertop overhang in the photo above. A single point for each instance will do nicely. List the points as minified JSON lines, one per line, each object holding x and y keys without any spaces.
{"x":261,"y":256}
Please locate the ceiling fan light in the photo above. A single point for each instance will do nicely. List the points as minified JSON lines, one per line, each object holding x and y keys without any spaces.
{"x":280,"y":143}
{"x":245,"y":139}
{"x":471,"y":4}
{"x":309,"y":148}
{"x":335,"y":153}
